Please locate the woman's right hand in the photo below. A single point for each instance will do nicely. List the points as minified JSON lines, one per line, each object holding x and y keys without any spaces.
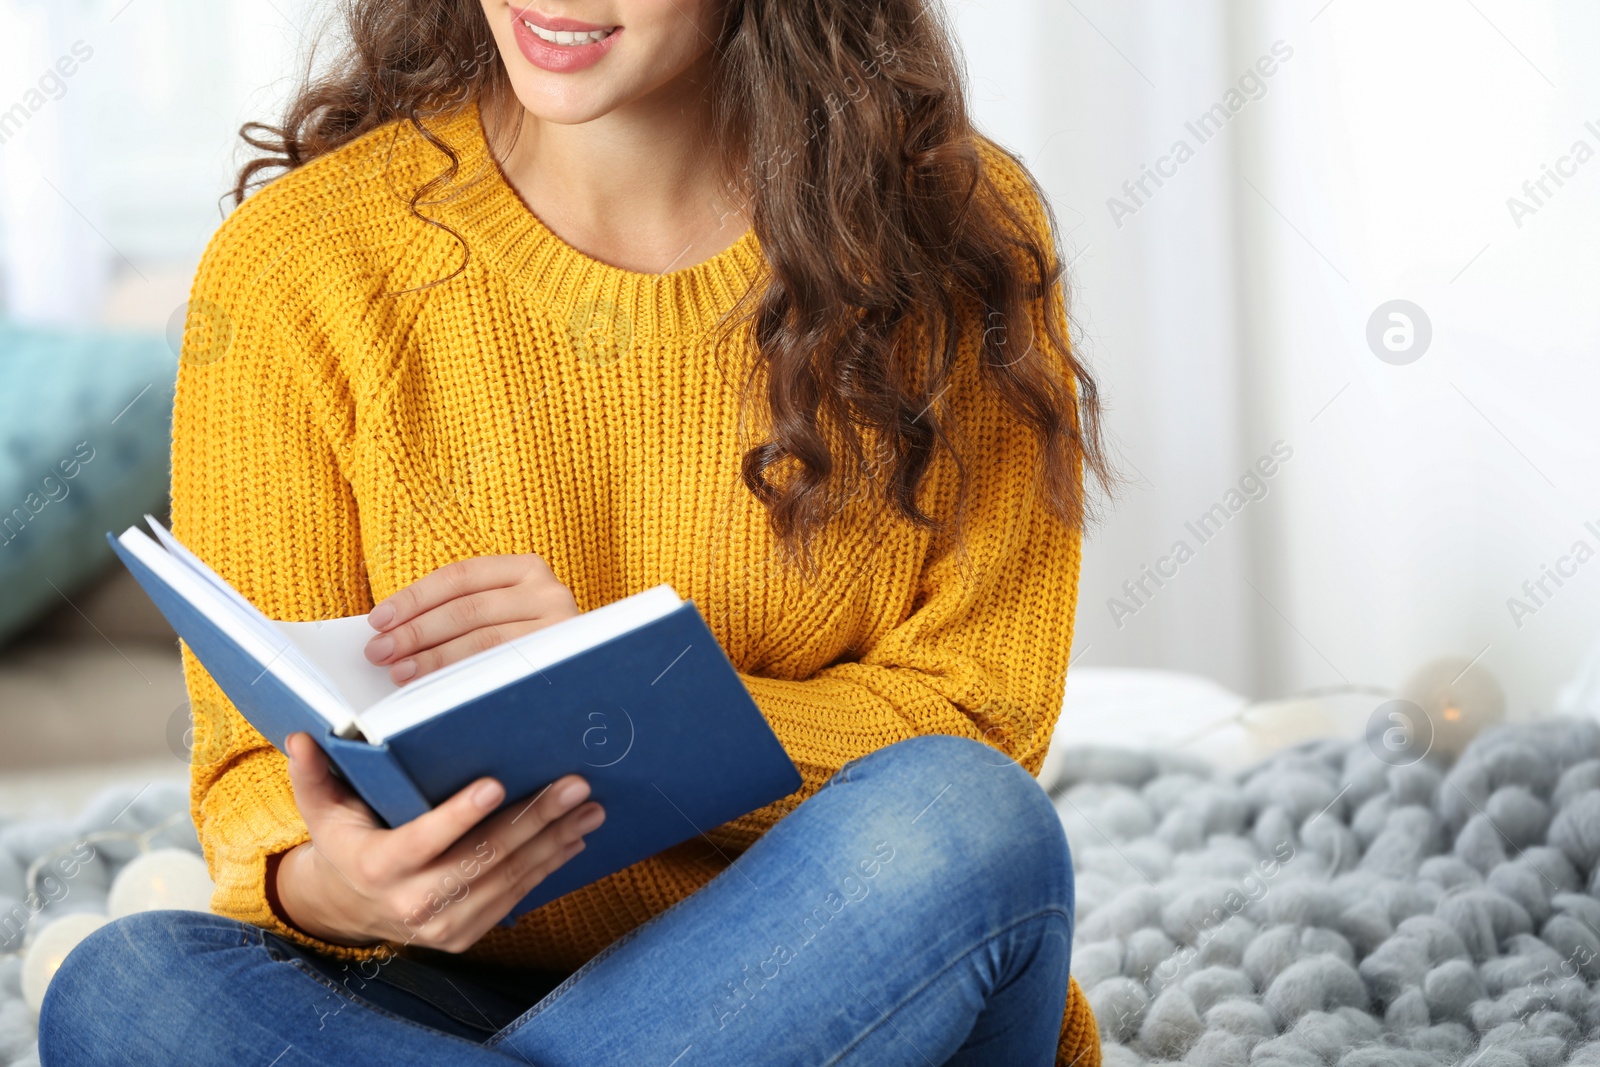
{"x":441,"y":880}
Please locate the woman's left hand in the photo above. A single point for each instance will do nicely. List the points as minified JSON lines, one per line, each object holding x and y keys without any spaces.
{"x":462,"y":608}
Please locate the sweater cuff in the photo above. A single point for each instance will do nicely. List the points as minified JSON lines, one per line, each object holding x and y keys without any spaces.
{"x":1079,"y":1043}
{"x":242,"y":894}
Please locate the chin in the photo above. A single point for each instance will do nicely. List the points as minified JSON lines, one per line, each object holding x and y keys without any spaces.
{"x":566,"y":104}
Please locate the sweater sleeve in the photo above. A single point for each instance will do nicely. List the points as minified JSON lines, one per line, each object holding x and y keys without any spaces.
{"x":259,"y":494}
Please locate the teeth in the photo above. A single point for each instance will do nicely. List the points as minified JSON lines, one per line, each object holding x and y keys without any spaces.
{"x":567,"y":37}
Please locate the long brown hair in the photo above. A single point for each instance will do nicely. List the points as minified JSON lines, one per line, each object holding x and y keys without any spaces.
{"x":845,"y":133}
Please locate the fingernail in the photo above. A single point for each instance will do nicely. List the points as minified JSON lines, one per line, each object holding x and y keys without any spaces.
{"x":590,"y":820}
{"x":487,"y":795}
{"x":571,"y":794}
{"x":403,"y":670}
{"x":380,"y":616}
{"x":380,"y":648}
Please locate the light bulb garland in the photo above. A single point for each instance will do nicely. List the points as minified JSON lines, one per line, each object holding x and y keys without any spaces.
{"x":141,"y":838}
{"x":153,"y":878}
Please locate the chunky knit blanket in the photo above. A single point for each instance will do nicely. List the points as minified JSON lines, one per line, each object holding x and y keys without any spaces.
{"x":1331,"y":907}
{"x":110,"y":825}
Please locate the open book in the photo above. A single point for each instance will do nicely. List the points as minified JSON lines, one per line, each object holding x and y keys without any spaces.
{"x":635,"y":696}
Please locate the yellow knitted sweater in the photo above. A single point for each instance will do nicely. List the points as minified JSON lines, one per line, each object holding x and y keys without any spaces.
{"x":342,"y":430}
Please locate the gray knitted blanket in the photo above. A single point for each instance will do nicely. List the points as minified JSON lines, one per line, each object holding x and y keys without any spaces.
{"x":1327,"y":907}
{"x":1323,"y":908}
{"x":156,"y":811}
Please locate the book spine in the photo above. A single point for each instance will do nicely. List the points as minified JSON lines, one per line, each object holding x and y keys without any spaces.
{"x":377,"y":777}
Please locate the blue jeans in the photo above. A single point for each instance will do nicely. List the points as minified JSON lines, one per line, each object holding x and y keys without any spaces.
{"x":916,"y":910}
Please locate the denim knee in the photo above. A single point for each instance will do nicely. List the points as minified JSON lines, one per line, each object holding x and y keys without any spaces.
{"x":140,"y":959}
{"x":977,"y":807}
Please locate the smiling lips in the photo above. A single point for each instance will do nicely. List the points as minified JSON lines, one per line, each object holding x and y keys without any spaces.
{"x":559,"y":45}
{"x":568,"y":37}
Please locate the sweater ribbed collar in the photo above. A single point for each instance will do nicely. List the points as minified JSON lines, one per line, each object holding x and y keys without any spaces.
{"x":488,"y":212}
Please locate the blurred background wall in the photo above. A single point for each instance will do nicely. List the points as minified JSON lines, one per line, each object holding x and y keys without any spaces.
{"x":1242,"y":189}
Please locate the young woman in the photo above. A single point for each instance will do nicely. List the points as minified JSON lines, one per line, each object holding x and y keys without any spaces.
{"x":554,"y":303}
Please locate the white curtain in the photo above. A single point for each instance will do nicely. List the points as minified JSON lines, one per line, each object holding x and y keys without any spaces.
{"x":56,"y":267}
{"x":1226,"y":309}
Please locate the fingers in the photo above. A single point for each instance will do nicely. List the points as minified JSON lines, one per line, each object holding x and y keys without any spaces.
{"x":415,"y":880}
{"x":451,"y":581}
{"x":428,"y":660}
{"x":451,"y":901}
{"x":425,"y":838}
{"x":449,"y":620}
{"x":501,"y":865}
{"x":494,"y":882}
{"x":531,"y":869}
{"x":316,"y":791}
{"x":461,"y":911}
{"x":538,"y":859}
{"x":513,"y":876}
{"x":521,"y":822}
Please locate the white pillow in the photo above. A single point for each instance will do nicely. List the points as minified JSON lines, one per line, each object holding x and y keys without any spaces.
{"x":1581,"y":695}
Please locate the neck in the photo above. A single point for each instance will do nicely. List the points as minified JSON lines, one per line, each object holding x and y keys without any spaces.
{"x":637,"y":188}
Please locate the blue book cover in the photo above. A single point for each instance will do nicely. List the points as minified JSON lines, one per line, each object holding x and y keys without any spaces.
{"x":656,"y":720}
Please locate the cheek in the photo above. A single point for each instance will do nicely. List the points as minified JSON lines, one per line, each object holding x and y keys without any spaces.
{"x":498,"y":17}
{"x":677,"y":32}
{"x":661,"y":13}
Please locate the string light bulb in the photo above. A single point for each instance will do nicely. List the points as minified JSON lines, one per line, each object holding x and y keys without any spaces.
{"x":155,"y":878}
{"x":49,"y":948}
{"x":163,"y":878}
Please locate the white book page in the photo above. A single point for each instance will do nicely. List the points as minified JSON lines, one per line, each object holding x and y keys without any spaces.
{"x":324,"y":661}
{"x":338,"y":647}
{"x":486,"y":671}
{"x":327,"y":657}
{"x":268,"y":647}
